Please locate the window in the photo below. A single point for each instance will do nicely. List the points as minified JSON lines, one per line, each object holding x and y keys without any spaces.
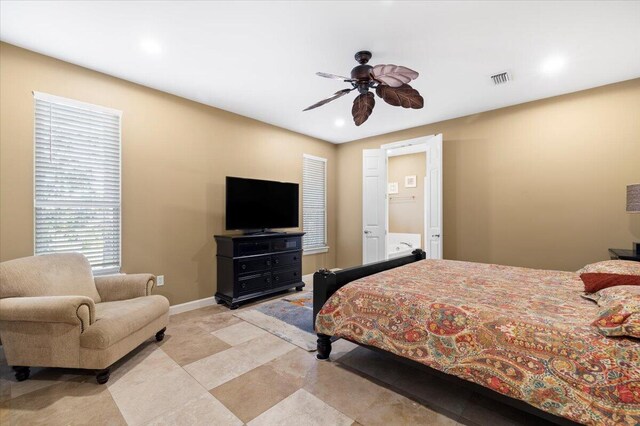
{"x":314,"y":204}
{"x":77,"y":181}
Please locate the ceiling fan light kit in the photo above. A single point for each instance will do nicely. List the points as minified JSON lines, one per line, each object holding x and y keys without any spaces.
{"x":389,"y":81}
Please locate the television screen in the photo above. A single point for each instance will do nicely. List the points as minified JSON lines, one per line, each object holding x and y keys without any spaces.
{"x":261,"y":204}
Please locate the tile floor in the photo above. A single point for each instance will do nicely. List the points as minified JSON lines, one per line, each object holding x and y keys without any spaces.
{"x":215,"y":369}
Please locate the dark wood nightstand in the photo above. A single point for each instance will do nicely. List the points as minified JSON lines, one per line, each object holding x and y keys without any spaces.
{"x":623,"y":254}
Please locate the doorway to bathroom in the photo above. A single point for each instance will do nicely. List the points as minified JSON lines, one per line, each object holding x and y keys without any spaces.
{"x":402,"y":199}
{"x":406,"y":172}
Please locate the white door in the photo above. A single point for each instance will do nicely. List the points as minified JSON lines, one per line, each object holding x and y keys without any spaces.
{"x":433,"y":198}
{"x":374,"y":199}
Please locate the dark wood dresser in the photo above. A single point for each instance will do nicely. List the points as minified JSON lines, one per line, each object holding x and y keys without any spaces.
{"x":251,"y":266}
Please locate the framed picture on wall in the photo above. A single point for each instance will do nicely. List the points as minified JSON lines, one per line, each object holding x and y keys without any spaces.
{"x":410,"y":181}
{"x":392,"y":188}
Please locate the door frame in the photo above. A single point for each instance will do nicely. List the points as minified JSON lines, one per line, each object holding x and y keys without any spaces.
{"x":411,"y":146}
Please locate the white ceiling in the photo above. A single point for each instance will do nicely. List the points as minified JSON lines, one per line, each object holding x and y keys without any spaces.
{"x":258,"y":59}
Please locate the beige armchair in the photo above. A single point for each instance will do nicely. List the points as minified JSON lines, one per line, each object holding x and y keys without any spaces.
{"x":54,"y":313}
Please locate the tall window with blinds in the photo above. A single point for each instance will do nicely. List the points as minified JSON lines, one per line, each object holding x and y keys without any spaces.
{"x":314,"y":204}
{"x":77,"y":181}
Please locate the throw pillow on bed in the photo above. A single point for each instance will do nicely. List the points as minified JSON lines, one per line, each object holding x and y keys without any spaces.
{"x":620,"y":320}
{"x":620,"y":314}
{"x":609,"y":273}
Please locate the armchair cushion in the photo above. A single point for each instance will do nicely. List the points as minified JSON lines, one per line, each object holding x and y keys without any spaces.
{"x":117,"y":320}
{"x":124,"y":286}
{"x":62,"y":274}
{"x":49,"y":309}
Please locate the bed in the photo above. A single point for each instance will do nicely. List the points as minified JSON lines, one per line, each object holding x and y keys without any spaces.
{"x":524,"y":336}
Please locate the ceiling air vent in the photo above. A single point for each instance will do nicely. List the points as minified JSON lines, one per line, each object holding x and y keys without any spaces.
{"x":501,"y":78}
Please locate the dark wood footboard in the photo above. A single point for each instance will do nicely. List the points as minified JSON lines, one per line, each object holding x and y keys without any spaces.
{"x":326,"y":282}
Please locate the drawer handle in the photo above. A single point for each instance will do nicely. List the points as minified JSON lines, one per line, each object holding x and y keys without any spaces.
{"x":276,"y":261}
{"x":277,"y":278}
{"x":244,"y":285}
{"x":268,"y":263}
{"x":295,"y":258}
{"x":244,"y":266}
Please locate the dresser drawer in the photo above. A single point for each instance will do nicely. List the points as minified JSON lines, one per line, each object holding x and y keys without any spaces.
{"x":286,"y":259}
{"x":253,"y":264}
{"x":284,"y":276}
{"x":249,"y":248}
{"x":254,"y":283}
{"x":286,"y":244}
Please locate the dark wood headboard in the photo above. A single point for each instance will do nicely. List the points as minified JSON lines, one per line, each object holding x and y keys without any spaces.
{"x":326,"y":282}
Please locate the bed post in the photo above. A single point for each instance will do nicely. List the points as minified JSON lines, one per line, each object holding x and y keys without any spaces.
{"x":419,"y":254}
{"x":324,"y":283}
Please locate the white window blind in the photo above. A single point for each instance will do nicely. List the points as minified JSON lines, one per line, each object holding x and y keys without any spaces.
{"x":77,"y":181}
{"x":314,"y":204}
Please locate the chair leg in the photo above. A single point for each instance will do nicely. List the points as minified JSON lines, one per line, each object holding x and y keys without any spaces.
{"x":323,"y":346}
{"x":22,"y":373}
{"x":160,"y":334}
{"x":102,"y":376}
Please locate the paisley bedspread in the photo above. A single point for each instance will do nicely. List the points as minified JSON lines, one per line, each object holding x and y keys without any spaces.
{"x":525,"y":333}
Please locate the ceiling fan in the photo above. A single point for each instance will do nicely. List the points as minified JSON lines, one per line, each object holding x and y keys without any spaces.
{"x":389,"y":81}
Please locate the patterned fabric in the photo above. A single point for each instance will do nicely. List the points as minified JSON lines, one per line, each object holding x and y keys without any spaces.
{"x":611,"y":295}
{"x":620,"y":267}
{"x":619,"y":321}
{"x":620,"y":315}
{"x":522,"y":332}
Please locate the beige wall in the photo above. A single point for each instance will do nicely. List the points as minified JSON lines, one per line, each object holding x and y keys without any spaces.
{"x":540,"y":184}
{"x":406,"y":214}
{"x":175,"y":155}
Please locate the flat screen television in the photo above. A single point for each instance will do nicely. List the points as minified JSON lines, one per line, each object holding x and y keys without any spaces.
{"x":254,"y":204}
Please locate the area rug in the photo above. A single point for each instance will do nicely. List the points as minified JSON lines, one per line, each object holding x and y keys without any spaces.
{"x":290,"y":318}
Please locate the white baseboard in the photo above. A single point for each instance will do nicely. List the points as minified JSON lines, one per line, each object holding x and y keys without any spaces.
{"x":190,"y":306}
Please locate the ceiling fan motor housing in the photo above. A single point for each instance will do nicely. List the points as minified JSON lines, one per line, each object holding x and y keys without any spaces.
{"x":362,"y":73}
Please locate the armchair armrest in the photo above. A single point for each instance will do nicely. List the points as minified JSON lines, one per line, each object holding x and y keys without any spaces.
{"x":124,"y":286}
{"x":78,"y":310}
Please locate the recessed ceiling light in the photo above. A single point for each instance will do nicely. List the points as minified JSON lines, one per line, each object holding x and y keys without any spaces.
{"x":339,"y":122}
{"x":553,"y":64}
{"x":150,"y":46}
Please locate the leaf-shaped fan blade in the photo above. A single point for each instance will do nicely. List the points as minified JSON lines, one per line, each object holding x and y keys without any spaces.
{"x":404,"y":96}
{"x":333,"y":76}
{"x":393,"y":75}
{"x":329,"y":99}
{"x":362,"y":107}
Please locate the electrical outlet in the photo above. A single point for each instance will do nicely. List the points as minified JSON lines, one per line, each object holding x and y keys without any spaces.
{"x":160,"y":280}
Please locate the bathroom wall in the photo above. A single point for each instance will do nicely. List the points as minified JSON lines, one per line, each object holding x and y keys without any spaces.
{"x":406,"y":208}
